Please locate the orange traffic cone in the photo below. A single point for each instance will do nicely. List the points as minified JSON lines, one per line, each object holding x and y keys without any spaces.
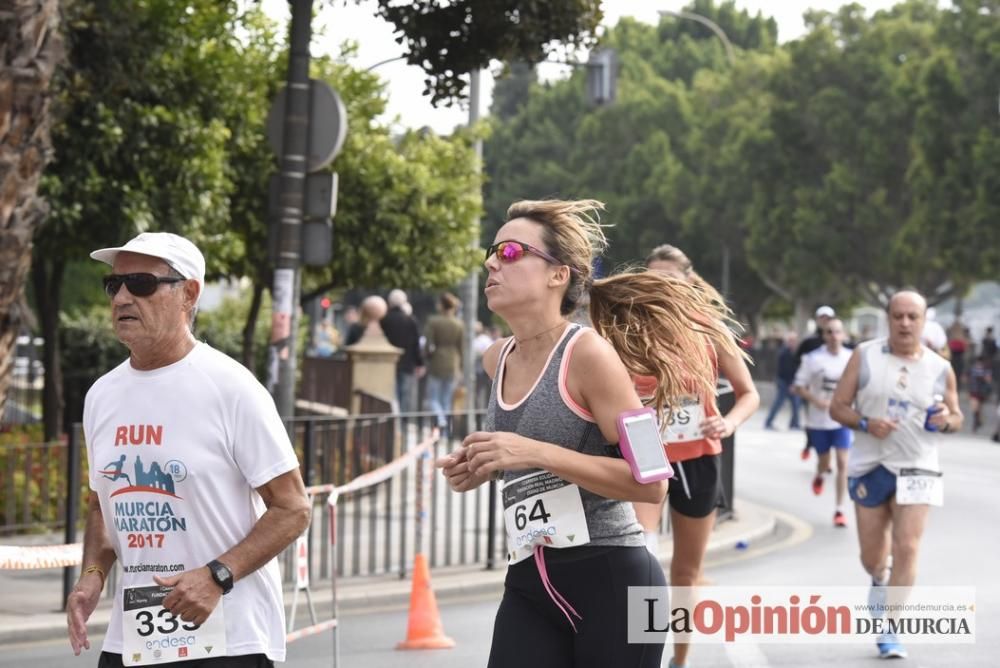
{"x":424,"y":630}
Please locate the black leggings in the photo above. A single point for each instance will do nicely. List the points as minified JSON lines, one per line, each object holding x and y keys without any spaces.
{"x":531,"y":632}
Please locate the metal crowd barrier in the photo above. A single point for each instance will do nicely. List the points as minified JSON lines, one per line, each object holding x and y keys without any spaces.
{"x":417,"y":456}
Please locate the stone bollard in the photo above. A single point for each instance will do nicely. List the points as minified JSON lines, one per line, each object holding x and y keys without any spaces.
{"x":373,"y":367}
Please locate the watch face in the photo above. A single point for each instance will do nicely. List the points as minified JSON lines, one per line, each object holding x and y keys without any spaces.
{"x":222,"y":575}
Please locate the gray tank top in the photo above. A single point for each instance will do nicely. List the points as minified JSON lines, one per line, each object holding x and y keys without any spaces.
{"x":543,"y":415}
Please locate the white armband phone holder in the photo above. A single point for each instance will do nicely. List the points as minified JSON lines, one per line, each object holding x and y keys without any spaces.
{"x":641,"y":445}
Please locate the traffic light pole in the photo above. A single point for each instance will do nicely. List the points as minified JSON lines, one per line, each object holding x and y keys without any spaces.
{"x":287,"y":275}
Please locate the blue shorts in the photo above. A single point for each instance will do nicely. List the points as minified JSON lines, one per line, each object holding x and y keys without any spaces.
{"x":873,"y":488}
{"x":824,"y":439}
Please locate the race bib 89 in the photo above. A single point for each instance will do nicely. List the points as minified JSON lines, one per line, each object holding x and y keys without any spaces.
{"x":684,"y":422}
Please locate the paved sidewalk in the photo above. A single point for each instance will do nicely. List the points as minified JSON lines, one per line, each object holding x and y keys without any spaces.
{"x":29,"y":597}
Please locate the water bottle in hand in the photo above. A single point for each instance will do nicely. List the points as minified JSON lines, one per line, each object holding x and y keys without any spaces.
{"x":933,"y":410}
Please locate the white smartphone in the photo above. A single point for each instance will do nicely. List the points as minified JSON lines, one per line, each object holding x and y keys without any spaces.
{"x":640,"y":443}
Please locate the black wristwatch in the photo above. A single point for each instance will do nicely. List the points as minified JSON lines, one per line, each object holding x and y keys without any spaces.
{"x":863,"y":424}
{"x":222,"y":575}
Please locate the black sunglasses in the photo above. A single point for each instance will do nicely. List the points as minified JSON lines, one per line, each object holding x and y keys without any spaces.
{"x":140,"y":285}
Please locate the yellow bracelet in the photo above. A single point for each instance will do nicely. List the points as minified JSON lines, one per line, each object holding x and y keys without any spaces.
{"x":96,"y":569}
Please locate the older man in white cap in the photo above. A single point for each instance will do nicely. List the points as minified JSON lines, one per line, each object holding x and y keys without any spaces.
{"x":194,"y":484}
{"x":823,"y":315}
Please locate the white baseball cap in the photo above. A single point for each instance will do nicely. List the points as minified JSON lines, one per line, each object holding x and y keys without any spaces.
{"x":182,"y":255}
{"x":825,"y":312}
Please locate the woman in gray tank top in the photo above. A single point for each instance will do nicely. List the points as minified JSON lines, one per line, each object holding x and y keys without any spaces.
{"x":551,"y":433}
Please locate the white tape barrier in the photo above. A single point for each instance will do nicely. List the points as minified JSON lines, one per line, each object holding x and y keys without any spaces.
{"x":18,"y":557}
{"x":381,"y":474}
{"x":310,"y":630}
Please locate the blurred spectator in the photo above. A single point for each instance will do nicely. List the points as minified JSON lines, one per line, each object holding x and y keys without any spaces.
{"x":327,"y":339}
{"x":444,"y":334}
{"x":403,"y":332}
{"x":373,"y":309}
{"x":784,"y":378}
{"x":350,"y":318}
{"x":480,"y":345}
{"x":988,"y":348}
{"x":980,"y":388}
{"x":958,"y":343}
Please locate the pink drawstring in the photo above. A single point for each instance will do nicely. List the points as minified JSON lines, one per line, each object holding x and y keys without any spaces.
{"x":556,"y":597}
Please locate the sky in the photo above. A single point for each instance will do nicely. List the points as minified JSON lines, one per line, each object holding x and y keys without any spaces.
{"x":409,"y":108}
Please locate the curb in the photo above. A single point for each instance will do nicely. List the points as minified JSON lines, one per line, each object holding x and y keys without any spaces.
{"x":722,"y":543}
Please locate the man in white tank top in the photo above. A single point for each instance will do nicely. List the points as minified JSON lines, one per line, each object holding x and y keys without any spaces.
{"x":901,"y":397}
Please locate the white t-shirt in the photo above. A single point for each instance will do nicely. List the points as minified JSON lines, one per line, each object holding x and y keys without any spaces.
{"x":175,"y":456}
{"x":894,"y":388}
{"x":819,"y":373}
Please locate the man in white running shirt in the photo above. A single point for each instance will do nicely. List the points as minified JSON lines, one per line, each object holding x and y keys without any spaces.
{"x":815,"y":382}
{"x":901,"y":397}
{"x":195,"y":487}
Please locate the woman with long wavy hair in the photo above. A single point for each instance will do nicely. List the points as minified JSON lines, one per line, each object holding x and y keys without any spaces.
{"x":551,"y":432}
{"x":692,"y":435}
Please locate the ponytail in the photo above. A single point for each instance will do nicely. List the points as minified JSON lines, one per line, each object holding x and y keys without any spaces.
{"x":665,"y":328}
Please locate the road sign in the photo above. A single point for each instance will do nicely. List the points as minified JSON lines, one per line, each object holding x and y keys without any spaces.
{"x":327,"y":124}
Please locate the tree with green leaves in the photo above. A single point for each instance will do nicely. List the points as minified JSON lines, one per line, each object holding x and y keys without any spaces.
{"x":182,"y":148}
{"x":870,"y":184}
{"x":649,"y":156}
{"x":142,"y":126}
{"x":839,"y":166}
{"x":450,"y":38}
{"x":153,"y":109}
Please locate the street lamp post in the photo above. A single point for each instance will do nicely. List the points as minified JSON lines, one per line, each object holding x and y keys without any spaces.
{"x":721,"y":34}
{"x":710,"y":24}
{"x":726,"y":396}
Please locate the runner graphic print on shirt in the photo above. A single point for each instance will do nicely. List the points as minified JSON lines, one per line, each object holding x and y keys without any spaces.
{"x":146,"y":521}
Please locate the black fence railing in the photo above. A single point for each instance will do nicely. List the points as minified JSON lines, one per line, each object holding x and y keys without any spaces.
{"x":376,"y":527}
{"x":34,"y":480}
